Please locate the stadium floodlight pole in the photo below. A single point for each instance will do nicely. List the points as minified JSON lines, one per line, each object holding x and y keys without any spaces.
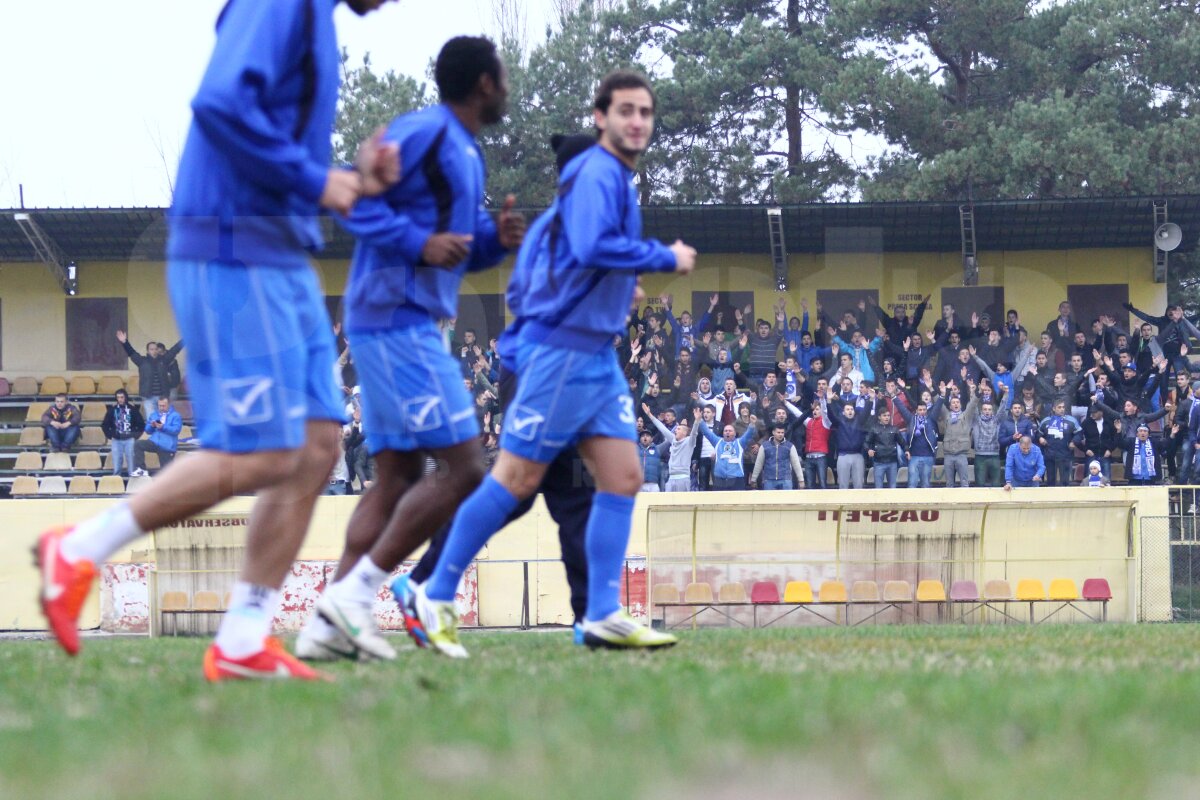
{"x":47,"y":251}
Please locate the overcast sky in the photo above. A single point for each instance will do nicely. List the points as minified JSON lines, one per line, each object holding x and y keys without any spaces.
{"x":94,"y":97}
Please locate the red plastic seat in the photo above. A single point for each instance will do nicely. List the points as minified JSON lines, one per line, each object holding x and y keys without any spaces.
{"x":5,"y":387}
{"x":1096,"y":589}
{"x":764,"y":592}
{"x":964,"y":591}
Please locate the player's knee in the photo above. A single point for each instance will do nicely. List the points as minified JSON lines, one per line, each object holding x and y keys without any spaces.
{"x":469,"y":474}
{"x":624,"y":482}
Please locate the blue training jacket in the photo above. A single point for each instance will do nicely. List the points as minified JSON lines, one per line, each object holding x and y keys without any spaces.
{"x":576,"y":271}
{"x":441,"y":189}
{"x":257,"y":153}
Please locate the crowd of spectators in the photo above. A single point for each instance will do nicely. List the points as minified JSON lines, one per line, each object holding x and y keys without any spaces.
{"x":817,"y":400}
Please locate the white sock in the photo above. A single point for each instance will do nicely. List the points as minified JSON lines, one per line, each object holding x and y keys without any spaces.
{"x":98,"y":538}
{"x":247,"y":623}
{"x":362,"y":582}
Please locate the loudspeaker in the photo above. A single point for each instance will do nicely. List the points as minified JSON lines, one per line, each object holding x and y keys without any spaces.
{"x":1167,"y":236}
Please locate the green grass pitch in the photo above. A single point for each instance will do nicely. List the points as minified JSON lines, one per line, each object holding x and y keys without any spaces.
{"x":1091,"y":711}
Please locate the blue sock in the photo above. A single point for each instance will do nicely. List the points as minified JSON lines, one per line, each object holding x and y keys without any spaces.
{"x":483,"y":513}
{"x":607,"y":539}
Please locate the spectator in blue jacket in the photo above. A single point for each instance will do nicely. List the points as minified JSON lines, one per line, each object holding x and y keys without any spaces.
{"x":1023,"y":466}
{"x":1014,"y":426}
{"x":728,"y":472}
{"x":163,"y":428}
{"x":651,"y":458}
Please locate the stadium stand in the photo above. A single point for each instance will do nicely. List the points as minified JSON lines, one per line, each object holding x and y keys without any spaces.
{"x":58,"y":462}
{"x":5,"y":387}
{"x":33,"y":416}
{"x":93,"y":412}
{"x":132,"y":385}
{"x":136,"y":485}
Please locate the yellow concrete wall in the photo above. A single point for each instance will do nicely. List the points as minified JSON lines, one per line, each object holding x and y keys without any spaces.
{"x":1033,"y":530}
{"x":34,"y":318}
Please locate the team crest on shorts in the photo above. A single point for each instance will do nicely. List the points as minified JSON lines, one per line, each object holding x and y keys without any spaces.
{"x":423,"y":413}
{"x":523,"y":422}
{"x":247,"y":401}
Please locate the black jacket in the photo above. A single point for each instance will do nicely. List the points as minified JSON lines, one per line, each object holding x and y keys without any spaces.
{"x":153,"y":373}
{"x":136,"y":423}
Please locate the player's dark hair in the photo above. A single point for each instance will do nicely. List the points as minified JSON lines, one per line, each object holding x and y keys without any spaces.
{"x":461,"y":63}
{"x":621,"y":79}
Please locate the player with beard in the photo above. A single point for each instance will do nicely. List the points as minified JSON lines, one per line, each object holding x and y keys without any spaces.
{"x":415,"y":244}
{"x":580,"y":262}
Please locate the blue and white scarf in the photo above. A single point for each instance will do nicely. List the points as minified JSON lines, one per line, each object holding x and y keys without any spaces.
{"x":1143,"y":459}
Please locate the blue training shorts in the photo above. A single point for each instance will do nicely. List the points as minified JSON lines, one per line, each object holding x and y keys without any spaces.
{"x":261,"y":354}
{"x":413,"y":397}
{"x":565,"y":396}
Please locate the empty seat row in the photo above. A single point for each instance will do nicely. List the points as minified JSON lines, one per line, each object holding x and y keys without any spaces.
{"x":79,"y":385}
{"x":1030,"y":590}
{"x":89,"y":436}
{"x":85,"y":461}
{"x":202,"y":601}
{"x":28,"y":485}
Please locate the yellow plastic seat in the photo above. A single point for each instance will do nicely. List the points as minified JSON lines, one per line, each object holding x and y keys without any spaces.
{"x":24,"y":485}
{"x":82,"y":384}
{"x":109,"y":384}
{"x":832,"y":592}
{"x":25,"y":386}
{"x":28,"y":462}
{"x":1063,"y":589}
{"x":92,"y":436}
{"x":87,"y":461}
{"x":664,"y":593}
{"x":797,"y":592}
{"x":132,"y":385}
{"x":174,"y":601}
{"x":82,"y":484}
{"x":152,"y":461}
{"x":1030,"y":589}
{"x":185,"y":432}
{"x":931,"y":591}
{"x":35,"y":411}
{"x":732,"y":593}
{"x":897,"y":592}
{"x":111,"y":484}
{"x":698,"y":593}
{"x":206,"y":601}
{"x":32,"y":437}
{"x":93,"y":412}
{"x":52,"y":484}
{"x":52,"y":385}
{"x":997,"y":590}
{"x":864,"y":592}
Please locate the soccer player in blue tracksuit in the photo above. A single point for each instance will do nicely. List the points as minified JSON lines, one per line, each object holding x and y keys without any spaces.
{"x":253,"y":177}
{"x":415,"y":243}
{"x":567,"y":486}
{"x":579,"y":264}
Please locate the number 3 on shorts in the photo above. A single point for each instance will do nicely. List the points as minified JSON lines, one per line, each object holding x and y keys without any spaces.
{"x":627,"y":410}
